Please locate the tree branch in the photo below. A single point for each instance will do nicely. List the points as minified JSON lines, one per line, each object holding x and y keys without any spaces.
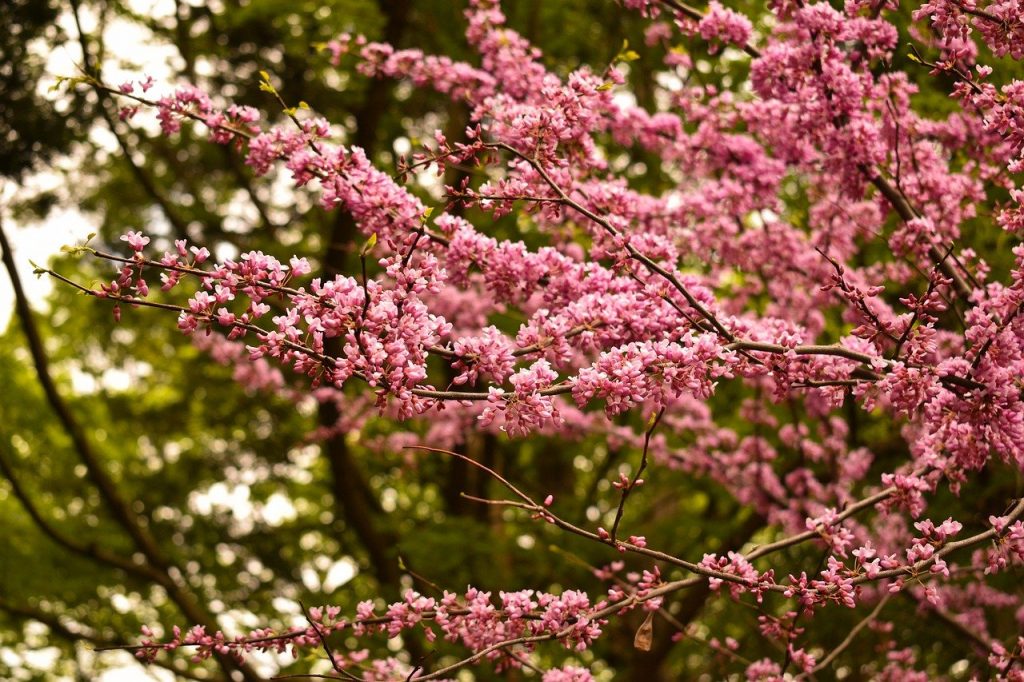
{"x":105,"y":485}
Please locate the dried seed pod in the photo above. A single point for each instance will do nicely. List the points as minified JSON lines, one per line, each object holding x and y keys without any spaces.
{"x":645,"y":633}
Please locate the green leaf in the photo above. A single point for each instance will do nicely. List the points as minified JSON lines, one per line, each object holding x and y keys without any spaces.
{"x":71,"y":81}
{"x":265,"y":84}
{"x":370,"y":243}
{"x":652,"y":420}
{"x":76,"y":250}
{"x":626,"y":54}
{"x":913,"y":55}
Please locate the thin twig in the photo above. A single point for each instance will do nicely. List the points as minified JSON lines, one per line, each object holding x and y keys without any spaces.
{"x":825,"y":662}
{"x":656,"y":418}
{"x":327,"y":647}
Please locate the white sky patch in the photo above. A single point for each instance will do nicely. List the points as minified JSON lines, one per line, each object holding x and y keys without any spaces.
{"x":42,"y":659}
{"x":339,"y":574}
{"x":220,"y":496}
{"x":113,"y":379}
{"x":402,"y":145}
{"x":135,"y":673}
{"x":132,"y":52}
{"x":277,"y":509}
{"x":624,"y":99}
{"x":38,"y":243}
{"x":310,"y":578}
{"x":669,"y":81}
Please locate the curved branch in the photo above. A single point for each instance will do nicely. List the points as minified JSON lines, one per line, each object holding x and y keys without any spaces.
{"x":867,"y":620}
{"x":75,"y":634}
{"x":112,"y":497}
{"x":90,"y":551}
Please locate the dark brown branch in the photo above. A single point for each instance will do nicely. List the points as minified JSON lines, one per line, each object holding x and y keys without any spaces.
{"x":90,"y":551}
{"x":906,"y":213}
{"x":867,"y":620}
{"x":948,"y":548}
{"x":104,"y":484}
{"x":353,"y":498}
{"x":793,"y":540}
{"x":634,"y":253}
{"x":82,"y":633}
{"x":696,"y":15}
{"x":114,"y":501}
{"x":636,"y":477}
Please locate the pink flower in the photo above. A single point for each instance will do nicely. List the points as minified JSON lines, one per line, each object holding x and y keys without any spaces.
{"x":136,"y":240}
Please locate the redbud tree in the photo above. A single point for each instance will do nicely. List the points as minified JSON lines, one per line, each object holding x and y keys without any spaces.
{"x":816,"y":310}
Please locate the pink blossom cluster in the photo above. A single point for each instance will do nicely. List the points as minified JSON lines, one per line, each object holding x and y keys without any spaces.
{"x":630,"y":303}
{"x":748,"y":578}
{"x":998,"y":23}
{"x":726,"y":25}
{"x":518,"y":619}
{"x":202,"y":645}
